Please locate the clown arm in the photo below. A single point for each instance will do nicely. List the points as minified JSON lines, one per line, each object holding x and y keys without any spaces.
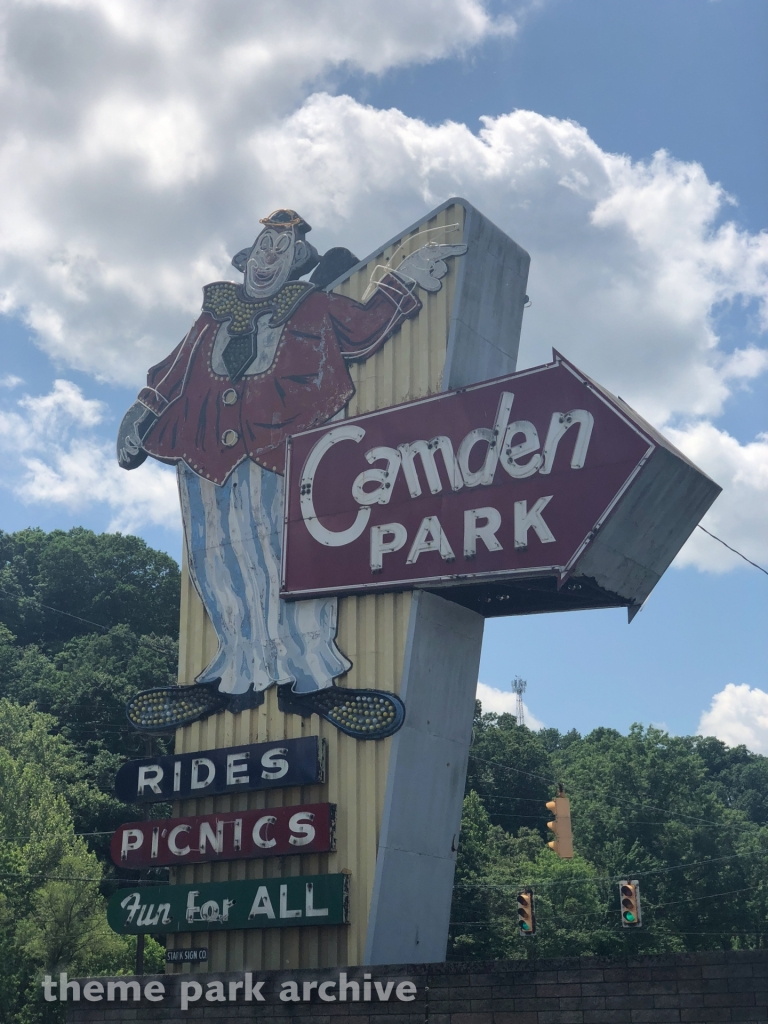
{"x":361,"y":329}
{"x":165,"y":380}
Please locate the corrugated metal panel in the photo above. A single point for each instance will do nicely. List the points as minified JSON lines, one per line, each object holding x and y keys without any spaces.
{"x":372,"y":633}
{"x":411,"y":364}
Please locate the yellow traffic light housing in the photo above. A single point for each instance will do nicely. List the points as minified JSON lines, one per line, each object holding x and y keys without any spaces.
{"x":526,"y":916}
{"x":629,"y":897}
{"x":562,"y":844}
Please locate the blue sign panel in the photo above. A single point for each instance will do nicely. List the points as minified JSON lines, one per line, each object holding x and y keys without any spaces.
{"x":299,"y":762}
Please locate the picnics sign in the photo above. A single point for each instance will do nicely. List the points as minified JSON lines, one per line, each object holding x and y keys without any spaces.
{"x":268,"y":832}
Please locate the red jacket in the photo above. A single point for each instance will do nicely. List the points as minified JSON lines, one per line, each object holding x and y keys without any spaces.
{"x":212,"y":423}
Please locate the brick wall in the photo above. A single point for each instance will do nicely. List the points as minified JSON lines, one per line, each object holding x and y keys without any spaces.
{"x":695,"y":987}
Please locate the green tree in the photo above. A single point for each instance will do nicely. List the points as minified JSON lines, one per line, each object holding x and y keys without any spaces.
{"x":685,"y":815}
{"x":106,"y":578}
{"x":52,"y":911}
{"x":571,"y":904}
{"x":739,"y":777}
{"x":646,"y":805}
{"x":87,"y":683}
{"x":85,"y":686}
{"x":512,"y":772}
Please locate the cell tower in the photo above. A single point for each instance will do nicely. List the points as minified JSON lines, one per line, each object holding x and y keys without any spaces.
{"x":518,"y":688}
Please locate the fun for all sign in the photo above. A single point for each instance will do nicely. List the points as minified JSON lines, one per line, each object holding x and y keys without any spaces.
{"x":220,"y":906}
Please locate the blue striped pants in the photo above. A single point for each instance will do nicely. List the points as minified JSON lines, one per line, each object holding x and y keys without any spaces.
{"x":234,"y":537}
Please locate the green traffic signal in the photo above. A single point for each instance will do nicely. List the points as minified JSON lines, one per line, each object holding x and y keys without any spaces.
{"x":629,"y":896}
{"x":526,"y":917}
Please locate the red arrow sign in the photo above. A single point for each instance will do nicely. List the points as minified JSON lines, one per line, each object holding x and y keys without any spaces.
{"x":510,"y":478}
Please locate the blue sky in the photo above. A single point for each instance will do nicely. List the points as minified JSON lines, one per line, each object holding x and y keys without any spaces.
{"x":691,"y":78}
{"x":128,"y":187}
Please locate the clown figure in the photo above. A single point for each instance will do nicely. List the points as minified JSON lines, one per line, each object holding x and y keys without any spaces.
{"x":265,"y":359}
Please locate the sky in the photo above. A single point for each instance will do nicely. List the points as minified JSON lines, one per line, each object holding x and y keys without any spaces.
{"x":621,"y":144}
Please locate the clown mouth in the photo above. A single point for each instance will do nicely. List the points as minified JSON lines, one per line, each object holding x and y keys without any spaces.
{"x":266,"y":275}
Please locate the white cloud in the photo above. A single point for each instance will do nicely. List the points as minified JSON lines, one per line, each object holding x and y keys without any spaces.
{"x":738,"y":715}
{"x":627,"y":263}
{"x":500,"y":702}
{"x":739,"y":515}
{"x":143,"y":141}
{"x":10,"y":380}
{"x":126,"y":173}
{"x":41,"y":419}
{"x":167,"y":141}
{"x":53,"y":456}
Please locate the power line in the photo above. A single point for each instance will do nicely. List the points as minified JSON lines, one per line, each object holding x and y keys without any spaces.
{"x":60,"y":835}
{"x":627,"y":821}
{"x":722,"y":933}
{"x":733,"y":550}
{"x":75,"y":878}
{"x":559,"y":914}
{"x":651,"y":807}
{"x":509,"y":768}
{"x":70,"y":835}
{"x":608,"y":879}
{"x":703,"y":821}
{"x":696,"y":899}
{"x":79,"y":618}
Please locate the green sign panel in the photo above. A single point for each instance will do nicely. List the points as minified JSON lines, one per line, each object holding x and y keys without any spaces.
{"x":220,"y":906}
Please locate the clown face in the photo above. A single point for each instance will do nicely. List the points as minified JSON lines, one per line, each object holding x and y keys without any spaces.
{"x":272,"y":258}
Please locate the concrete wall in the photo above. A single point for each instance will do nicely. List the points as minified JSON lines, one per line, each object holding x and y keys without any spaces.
{"x":694,"y":987}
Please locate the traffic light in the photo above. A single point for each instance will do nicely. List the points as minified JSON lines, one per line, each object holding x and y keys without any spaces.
{"x":629,"y":897}
{"x":562,"y":844}
{"x":526,"y":916}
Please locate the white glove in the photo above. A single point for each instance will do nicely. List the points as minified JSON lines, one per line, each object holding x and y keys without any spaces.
{"x":130,"y":437}
{"x":427,"y":265}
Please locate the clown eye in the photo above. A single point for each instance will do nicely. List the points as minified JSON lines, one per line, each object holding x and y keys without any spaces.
{"x":265,"y":242}
{"x":282,"y":243}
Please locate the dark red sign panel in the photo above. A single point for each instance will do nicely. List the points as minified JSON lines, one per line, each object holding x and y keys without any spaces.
{"x":507,"y":478}
{"x":269,"y":832}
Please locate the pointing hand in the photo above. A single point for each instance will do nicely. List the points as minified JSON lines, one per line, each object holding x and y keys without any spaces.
{"x":427,"y":265}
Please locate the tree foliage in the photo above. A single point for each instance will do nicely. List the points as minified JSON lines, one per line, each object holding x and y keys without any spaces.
{"x":52,"y":910}
{"x":84,"y":687}
{"x":105,"y":579}
{"x":63,"y":735}
{"x":686,"y":816}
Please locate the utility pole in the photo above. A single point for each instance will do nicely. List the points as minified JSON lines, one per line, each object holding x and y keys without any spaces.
{"x":147,"y":814}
